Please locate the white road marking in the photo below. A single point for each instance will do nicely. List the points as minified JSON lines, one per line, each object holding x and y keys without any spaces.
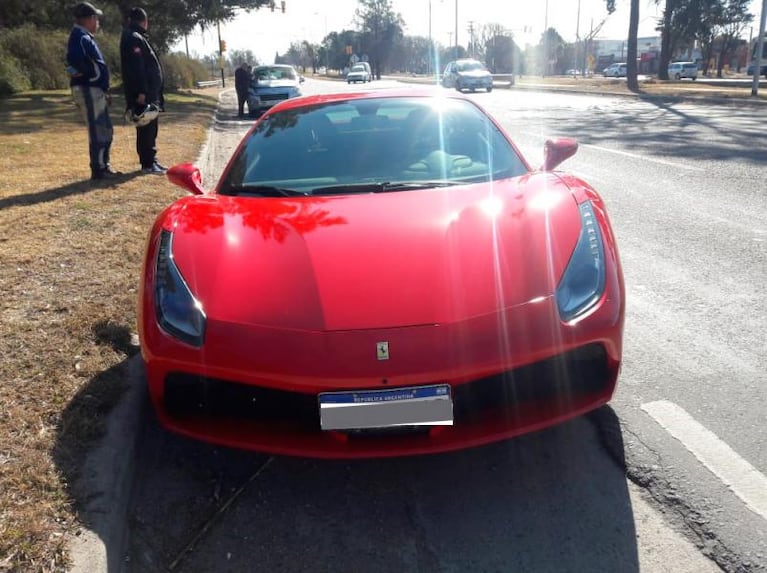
{"x":624,"y":153}
{"x":742,"y":478}
{"x":643,"y":157}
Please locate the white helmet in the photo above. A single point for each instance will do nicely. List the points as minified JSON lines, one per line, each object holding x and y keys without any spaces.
{"x":142,"y":116}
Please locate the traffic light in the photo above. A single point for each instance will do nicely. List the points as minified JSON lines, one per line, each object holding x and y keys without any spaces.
{"x":223,"y":46}
{"x":282,"y":5}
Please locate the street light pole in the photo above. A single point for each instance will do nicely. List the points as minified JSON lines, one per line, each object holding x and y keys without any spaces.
{"x":456,"y":29}
{"x":428,"y":67}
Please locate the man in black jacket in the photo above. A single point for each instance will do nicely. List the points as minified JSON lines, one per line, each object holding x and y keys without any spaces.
{"x":242,"y":78}
{"x":143,"y":83}
{"x":89,"y":81}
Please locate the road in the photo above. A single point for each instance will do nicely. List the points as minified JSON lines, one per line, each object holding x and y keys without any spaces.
{"x":684,"y":184}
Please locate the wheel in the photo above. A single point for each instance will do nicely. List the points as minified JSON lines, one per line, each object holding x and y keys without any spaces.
{"x":489,"y":89}
{"x":348,"y":81}
{"x":676,"y":77}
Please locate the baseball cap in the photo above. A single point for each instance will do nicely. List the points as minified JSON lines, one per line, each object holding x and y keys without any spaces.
{"x":86,"y":10}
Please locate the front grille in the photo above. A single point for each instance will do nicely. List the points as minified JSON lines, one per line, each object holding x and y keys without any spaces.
{"x":273,"y":97}
{"x":553,"y":382}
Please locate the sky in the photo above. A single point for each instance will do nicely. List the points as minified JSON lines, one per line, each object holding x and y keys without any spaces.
{"x":265,"y":32}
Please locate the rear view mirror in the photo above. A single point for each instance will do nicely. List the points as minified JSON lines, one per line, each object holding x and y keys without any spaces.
{"x":187,"y":176}
{"x":555,"y":151}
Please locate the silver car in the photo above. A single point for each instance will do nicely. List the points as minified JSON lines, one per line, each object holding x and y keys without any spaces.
{"x":272,"y":84}
{"x":679,"y":70}
{"x":467,"y":75}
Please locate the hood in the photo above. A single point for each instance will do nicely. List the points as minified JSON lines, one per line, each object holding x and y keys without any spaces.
{"x":276,"y":84}
{"x":376,"y":261}
{"x":474,"y":73}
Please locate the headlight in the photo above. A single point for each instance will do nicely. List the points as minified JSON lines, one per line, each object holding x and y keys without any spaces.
{"x":178,"y":312}
{"x":583,"y":281}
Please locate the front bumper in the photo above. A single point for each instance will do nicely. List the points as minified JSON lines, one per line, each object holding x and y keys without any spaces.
{"x":510,"y":374}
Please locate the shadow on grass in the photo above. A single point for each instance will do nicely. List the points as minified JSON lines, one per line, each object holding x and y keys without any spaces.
{"x":93,"y":449}
{"x":76,"y":188}
{"x":39,"y":111}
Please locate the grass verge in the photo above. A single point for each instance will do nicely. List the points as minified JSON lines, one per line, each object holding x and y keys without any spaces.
{"x":71,"y":255}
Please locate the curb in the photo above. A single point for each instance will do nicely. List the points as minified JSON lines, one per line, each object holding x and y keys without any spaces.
{"x":107,"y":478}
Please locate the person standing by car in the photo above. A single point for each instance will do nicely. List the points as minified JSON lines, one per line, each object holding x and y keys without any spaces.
{"x":242,"y":77}
{"x":89,"y":82}
{"x":143,"y":84}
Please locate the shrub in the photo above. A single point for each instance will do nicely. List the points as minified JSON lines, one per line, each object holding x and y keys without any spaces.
{"x":182,"y":72}
{"x":12,"y":76}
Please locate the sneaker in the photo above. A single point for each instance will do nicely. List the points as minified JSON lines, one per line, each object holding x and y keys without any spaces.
{"x":155,"y":169}
{"x":107,"y":173}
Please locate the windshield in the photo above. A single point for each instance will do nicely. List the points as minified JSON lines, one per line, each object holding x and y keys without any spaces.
{"x":384,"y":141}
{"x":358,"y":68}
{"x":469,"y":66}
{"x":266,"y":73}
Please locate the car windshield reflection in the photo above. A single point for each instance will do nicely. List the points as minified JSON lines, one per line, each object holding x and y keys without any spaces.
{"x":359,"y":145}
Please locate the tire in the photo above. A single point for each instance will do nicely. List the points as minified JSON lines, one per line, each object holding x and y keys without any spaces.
{"x":489,"y":89}
{"x":677,"y":77}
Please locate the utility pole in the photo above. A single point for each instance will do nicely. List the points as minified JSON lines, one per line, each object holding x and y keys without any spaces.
{"x":456,"y":29}
{"x":759,"y":51}
{"x":220,"y":54}
{"x":470,"y":29}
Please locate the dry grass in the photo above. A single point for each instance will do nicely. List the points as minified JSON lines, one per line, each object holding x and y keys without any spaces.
{"x":71,"y":255}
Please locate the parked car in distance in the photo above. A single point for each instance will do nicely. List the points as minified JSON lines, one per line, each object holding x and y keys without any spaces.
{"x":272,"y":84}
{"x":467,"y":74}
{"x":360,"y":72}
{"x":615,"y":71}
{"x":679,"y":70}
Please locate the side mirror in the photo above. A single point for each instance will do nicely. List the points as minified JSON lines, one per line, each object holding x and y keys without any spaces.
{"x":186,"y":176}
{"x":555,"y":151}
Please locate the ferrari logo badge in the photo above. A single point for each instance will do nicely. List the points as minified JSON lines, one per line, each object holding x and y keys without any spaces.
{"x":382,"y":350}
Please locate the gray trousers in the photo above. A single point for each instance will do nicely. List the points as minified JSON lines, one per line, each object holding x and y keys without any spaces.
{"x":92,"y":103}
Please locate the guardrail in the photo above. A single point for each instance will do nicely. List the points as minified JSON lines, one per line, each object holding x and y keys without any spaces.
{"x":208,"y":84}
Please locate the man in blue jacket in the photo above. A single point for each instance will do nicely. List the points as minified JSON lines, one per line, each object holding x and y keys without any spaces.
{"x":143,"y":84}
{"x":89,"y":81}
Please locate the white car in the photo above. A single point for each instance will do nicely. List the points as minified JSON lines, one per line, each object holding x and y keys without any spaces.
{"x":467,"y":75}
{"x":360,"y":72}
{"x":615,"y":71}
{"x":679,"y":70}
{"x":272,"y":84}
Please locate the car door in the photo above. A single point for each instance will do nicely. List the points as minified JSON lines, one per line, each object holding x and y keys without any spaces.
{"x":448,"y":77}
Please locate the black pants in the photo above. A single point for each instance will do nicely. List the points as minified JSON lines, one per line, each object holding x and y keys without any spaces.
{"x":146,"y":143}
{"x":242,"y":99}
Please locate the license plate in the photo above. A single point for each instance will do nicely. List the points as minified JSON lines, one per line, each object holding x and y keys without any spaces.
{"x":415,"y":406}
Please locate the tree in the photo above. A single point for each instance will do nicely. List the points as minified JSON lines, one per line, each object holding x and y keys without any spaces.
{"x":734,"y":19}
{"x":551,"y":48}
{"x":380,"y":27}
{"x":502,"y":54}
{"x":170,"y":19}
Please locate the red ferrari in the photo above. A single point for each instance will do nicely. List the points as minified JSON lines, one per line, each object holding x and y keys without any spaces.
{"x":380,"y":274}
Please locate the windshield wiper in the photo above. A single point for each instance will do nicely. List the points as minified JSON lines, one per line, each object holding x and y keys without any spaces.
{"x":265,"y":191}
{"x":383,"y":187}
